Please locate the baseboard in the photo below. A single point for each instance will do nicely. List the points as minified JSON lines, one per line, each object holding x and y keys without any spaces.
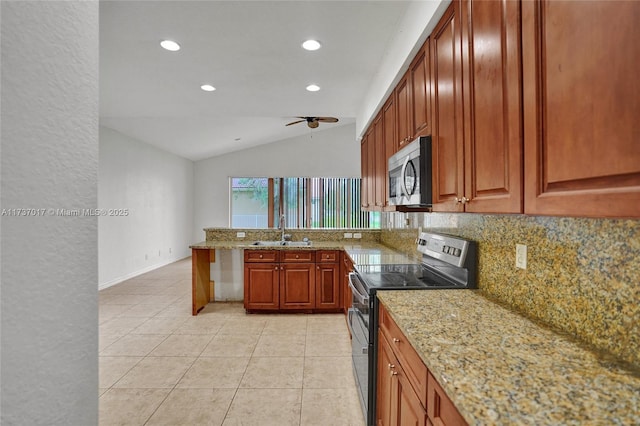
{"x":102,"y":286}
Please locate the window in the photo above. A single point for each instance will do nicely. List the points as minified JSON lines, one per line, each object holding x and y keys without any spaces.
{"x":305,"y":203}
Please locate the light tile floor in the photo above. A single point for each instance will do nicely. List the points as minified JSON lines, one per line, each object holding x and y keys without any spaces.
{"x":161,"y":366}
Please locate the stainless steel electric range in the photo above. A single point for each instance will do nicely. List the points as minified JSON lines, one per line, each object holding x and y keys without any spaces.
{"x":447,"y":263}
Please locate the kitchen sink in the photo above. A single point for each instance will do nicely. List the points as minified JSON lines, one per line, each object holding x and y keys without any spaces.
{"x":283,"y":243}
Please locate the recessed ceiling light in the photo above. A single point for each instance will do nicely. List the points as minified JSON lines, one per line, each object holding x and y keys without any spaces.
{"x":207,"y":88}
{"x":313,"y":87}
{"x":311,"y":45}
{"x":170,"y":45}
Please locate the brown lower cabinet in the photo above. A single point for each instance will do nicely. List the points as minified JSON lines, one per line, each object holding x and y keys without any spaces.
{"x":407,"y":393}
{"x":288,"y":280}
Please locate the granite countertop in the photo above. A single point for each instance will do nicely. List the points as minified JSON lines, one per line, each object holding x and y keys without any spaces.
{"x":364,"y":253}
{"x":500,"y":368}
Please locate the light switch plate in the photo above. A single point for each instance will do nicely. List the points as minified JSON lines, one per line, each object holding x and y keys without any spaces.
{"x":357,"y":235}
{"x":240,"y":234}
{"x":521,"y":256}
{"x":348,"y":235}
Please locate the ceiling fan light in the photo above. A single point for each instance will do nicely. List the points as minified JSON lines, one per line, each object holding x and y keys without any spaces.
{"x":313,"y":87}
{"x":207,"y":88}
{"x":313,"y":124}
{"x":311,"y":45}
{"x":170,"y":45}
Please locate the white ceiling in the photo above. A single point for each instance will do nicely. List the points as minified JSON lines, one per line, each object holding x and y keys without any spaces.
{"x":250,"y":51}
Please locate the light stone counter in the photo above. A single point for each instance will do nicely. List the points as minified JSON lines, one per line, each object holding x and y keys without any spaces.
{"x":500,"y":368}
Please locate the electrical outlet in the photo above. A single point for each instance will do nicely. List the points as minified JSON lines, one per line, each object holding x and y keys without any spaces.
{"x":348,"y":234}
{"x":240,"y":234}
{"x":146,"y":257}
{"x":159,"y":253}
{"x":521,"y":256}
{"x":357,"y":235}
{"x":169,"y":250}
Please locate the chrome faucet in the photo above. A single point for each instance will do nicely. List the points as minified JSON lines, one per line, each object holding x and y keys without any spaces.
{"x":282,"y":225}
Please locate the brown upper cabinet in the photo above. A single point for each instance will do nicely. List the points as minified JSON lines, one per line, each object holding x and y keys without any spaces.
{"x":447,"y":127}
{"x":366,"y":184}
{"x":402,"y":94}
{"x":420,"y":78}
{"x":581,"y":61}
{"x":532,"y":107}
{"x":380,"y":169}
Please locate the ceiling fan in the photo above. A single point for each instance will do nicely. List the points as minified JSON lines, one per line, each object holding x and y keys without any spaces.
{"x":314,"y":122}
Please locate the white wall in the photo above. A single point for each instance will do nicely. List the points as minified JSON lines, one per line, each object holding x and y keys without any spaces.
{"x":418,"y":22}
{"x":156,"y":188}
{"x":49,"y":134}
{"x":333,"y":153}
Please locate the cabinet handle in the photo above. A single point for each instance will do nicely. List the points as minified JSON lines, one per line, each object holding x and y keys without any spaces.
{"x":465,"y":200}
{"x":391,"y":366}
{"x":297,"y":256}
{"x":276,"y":268}
{"x":318,"y":268}
{"x":396,"y":340}
{"x":260,"y":256}
{"x":394,"y":373}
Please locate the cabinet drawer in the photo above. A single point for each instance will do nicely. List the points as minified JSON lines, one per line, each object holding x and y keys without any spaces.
{"x":298,"y":256}
{"x":261,"y":256}
{"x":411,"y":362}
{"x":328,"y":256}
{"x":440,"y":409}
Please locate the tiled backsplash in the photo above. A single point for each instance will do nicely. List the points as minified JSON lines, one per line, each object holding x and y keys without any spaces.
{"x":582,"y":276}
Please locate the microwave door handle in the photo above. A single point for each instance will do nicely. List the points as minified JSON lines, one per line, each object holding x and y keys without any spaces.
{"x":403,"y":181}
{"x":362,"y":298}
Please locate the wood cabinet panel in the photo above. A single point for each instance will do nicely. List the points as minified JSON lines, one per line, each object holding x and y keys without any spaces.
{"x":297,"y":286}
{"x":403,"y":111}
{"x":410,"y":411}
{"x":366,"y":193}
{"x":412,"y":364}
{"x":261,"y":286}
{"x":581,"y":103}
{"x":493,"y":128}
{"x":386,"y":392}
{"x":264,"y":256}
{"x":380,"y":169}
{"x":327,"y":286}
{"x":448,"y":133}
{"x":420,"y":74}
{"x":440,"y":409}
{"x":302,"y":256}
{"x":328,"y":256}
{"x":347,"y":268}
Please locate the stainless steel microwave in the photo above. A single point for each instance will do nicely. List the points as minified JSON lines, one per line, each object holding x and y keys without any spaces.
{"x":410,"y":175}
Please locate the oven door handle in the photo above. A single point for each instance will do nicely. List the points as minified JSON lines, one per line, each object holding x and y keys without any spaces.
{"x":361,"y":296}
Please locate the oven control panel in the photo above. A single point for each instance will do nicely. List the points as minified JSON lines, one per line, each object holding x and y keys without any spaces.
{"x":444,"y":247}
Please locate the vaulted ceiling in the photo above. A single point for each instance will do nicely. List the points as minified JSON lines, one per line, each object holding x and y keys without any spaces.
{"x":251,"y":52}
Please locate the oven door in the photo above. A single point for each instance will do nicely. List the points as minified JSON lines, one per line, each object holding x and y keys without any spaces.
{"x":360,"y":356}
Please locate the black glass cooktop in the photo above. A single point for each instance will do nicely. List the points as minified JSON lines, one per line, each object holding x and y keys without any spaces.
{"x":407,"y":276}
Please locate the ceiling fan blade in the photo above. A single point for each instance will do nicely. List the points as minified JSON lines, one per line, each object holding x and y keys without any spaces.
{"x":295,"y":122}
{"x":327,"y":119}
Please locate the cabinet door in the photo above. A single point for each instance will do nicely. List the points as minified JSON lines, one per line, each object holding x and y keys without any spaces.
{"x":581,"y":103}
{"x":447,"y":135}
{"x":379,"y":152}
{"x":327,"y":286}
{"x":390,"y":128}
{"x":409,"y":411}
{"x":297,"y":286}
{"x":364,"y":172}
{"x":386,"y":388}
{"x":347,"y":267}
{"x":261,"y":286}
{"x":403,"y":111}
{"x":420,"y":72}
{"x":493,"y":128}
{"x":440,"y":409}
